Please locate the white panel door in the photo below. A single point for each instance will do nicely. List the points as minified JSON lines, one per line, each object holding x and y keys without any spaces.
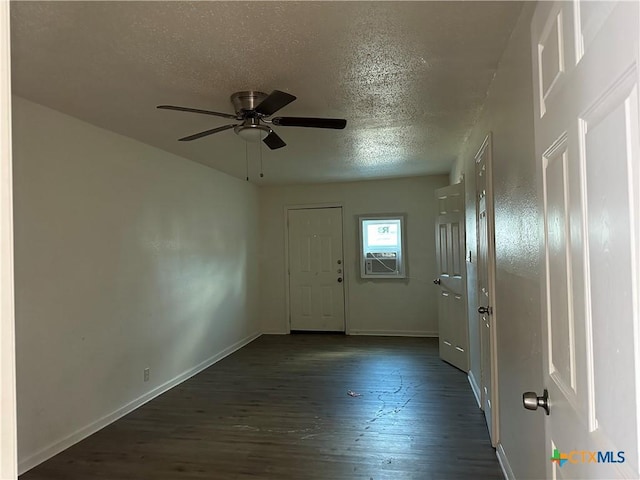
{"x":585,"y":59}
{"x":453,"y":328}
{"x":486,"y":294}
{"x":316,"y":269}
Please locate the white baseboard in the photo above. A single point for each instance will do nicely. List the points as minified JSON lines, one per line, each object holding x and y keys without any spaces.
{"x":474,"y":388}
{"x":58,"y":446}
{"x":504,"y":463}
{"x":394,"y":333}
{"x":381,"y":333}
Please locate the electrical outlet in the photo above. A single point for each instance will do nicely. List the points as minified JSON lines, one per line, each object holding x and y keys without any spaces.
{"x":146,"y":374}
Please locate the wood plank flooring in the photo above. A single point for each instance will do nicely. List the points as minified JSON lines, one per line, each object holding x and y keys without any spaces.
{"x":279,"y":409}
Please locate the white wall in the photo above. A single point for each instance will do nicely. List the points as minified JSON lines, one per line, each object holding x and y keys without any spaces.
{"x":508,"y":113}
{"x":389,"y":306}
{"x":127,"y":257}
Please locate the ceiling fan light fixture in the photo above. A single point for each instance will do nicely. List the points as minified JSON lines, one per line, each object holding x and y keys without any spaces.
{"x":252,"y":132}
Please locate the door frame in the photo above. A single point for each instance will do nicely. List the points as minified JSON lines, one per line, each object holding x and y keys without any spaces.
{"x":487,"y":145}
{"x":345,"y":276}
{"x":8,"y":414}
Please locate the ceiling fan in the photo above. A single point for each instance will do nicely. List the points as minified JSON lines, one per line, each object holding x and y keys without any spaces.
{"x":253,"y":111}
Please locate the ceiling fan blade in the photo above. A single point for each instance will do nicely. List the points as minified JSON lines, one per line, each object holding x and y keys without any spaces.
{"x":273,"y":141}
{"x":336,"y":123}
{"x":274,"y":102}
{"x":196,"y":110}
{"x":195,"y":136}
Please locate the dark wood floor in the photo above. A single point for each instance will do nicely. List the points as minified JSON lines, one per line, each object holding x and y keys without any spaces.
{"x":279,"y":409}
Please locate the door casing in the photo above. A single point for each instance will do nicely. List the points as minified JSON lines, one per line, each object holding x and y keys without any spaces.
{"x":8,"y":414}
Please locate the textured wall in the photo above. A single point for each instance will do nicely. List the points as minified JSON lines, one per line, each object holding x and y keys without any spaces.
{"x":508,"y":114}
{"x":127,"y":257}
{"x":406,"y":306}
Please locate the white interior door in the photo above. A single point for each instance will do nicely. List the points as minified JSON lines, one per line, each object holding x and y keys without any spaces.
{"x":316,"y":269}
{"x":585,"y":59}
{"x":453,"y":328}
{"x":485,"y":295}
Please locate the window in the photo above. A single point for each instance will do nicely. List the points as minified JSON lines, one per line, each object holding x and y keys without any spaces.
{"x":381,"y":246}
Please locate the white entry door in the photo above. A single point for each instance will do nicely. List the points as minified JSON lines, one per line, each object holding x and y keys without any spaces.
{"x":453,"y":327}
{"x":316,"y":269}
{"x":485,"y":294}
{"x":585,"y":59}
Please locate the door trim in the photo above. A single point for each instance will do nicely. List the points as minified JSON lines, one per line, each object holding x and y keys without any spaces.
{"x":487,"y":145}
{"x":8,"y":414}
{"x":345,"y":283}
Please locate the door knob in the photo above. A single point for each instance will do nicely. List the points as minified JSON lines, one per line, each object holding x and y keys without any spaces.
{"x":484,"y":310}
{"x":437,"y":281}
{"x":531,"y":401}
{"x":339,"y":279}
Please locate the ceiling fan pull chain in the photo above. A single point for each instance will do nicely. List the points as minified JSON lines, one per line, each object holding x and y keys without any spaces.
{"x":261,"y":172}
{"x":246,"y":158}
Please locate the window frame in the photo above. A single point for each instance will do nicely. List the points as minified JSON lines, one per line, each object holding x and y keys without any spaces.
{"x":401,"y":249}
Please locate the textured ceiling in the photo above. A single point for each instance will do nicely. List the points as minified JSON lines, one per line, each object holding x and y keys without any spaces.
{"x":409,"y":77}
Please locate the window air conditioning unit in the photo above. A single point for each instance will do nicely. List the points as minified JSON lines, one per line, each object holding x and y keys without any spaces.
{"x":381,"y":263}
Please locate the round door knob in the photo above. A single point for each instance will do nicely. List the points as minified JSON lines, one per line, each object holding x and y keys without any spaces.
{"x":531,"y":401}
{"x":340,"y":280}
{"x":484,"y":310}
{"x":437,"y":281}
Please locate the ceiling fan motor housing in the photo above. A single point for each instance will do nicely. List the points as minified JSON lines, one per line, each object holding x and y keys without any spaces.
{"x":247,"y":101}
